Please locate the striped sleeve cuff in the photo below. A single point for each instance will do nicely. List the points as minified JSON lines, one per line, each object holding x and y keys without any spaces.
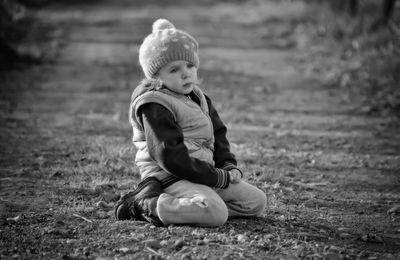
{"x":223,"y":179}
{"x":229,"y":166}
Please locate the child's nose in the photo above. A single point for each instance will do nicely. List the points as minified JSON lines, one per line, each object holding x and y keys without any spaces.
{"x":185,"y":73}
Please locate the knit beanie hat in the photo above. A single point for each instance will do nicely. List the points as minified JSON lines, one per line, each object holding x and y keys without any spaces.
{"x":166,"y":44}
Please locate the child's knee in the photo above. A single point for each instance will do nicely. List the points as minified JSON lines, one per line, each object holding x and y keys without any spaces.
{"x":260,"y":203}
{"x":216,"y":213}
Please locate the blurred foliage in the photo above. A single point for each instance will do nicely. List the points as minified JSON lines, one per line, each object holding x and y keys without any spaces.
{"x":23,"y":38}
{"x":347,"y":46}
{"x":10,"y":31}
{"x":356,"y":55}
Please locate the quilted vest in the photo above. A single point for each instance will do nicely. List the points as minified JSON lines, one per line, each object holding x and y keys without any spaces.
{"x":193,"y":118}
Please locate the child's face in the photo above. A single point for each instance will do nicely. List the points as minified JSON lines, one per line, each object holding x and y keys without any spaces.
{"x":179,"y":76}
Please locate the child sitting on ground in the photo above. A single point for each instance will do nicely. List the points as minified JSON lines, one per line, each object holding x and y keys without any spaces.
{"x":189,"y":175}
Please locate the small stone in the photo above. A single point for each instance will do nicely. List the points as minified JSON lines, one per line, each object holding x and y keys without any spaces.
{"x":124,"y":250}
{"x":334,"y":248}
{"x":103,"y":258}
{"x":200,"y":242}
{"x":242,"y":238}
{"x":372,"y":238}
{"x":259,"y":228}
{"x":101,"y":215}
{"x":103,"y":187}
{"x":86,"y":251}
{"x":101,"y":204}
{"x":197,"y":233}
{"x":269,"y":237}
{"x":153,"y":243}
{"x":344,"y":229}
{"x":164,"y":243}
{"x":345,"y":235}
{"x":179,"y":243}
{"x":110,"y":196}
{"x":323,"y":231}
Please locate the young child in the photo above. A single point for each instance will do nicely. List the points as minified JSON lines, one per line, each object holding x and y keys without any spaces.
{"x":189,"y":175}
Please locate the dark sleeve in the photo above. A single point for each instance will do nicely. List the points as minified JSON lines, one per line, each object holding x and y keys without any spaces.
{"x":164,"y":138}
{"x":223,"y":157}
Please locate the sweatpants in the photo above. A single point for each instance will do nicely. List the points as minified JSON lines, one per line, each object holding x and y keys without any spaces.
{"x":185,"y":202}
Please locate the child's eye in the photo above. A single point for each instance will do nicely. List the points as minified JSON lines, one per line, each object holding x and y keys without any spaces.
{"x":190,"y":65}
{"x":173,"y":70}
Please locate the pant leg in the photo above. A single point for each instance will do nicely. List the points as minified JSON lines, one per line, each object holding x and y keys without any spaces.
{"x":185,"y":202}
{"x":243,"y":199}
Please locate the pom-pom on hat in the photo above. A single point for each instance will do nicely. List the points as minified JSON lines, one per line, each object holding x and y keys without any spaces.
{"x":166,"y":44}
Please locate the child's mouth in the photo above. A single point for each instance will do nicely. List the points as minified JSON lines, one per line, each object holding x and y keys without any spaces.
{"x":187,"y":85}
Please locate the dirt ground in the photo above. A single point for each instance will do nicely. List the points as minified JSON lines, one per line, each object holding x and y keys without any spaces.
{"x":331,"y":173}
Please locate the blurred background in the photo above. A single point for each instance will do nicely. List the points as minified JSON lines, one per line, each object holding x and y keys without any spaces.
{"x":350,"y":43}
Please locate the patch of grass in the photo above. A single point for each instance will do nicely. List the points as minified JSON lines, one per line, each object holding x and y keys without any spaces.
{"x":97,"y":160}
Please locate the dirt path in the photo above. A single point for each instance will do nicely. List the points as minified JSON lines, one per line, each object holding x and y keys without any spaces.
{"x":331,"y":174}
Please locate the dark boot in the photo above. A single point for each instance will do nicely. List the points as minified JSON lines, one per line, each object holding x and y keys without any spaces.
{"x":141,"y":203}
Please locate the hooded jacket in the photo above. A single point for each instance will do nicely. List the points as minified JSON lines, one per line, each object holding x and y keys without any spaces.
{"x":179,"y":137}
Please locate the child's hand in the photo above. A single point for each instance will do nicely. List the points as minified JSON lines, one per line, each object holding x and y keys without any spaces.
{"x":235,"y":175}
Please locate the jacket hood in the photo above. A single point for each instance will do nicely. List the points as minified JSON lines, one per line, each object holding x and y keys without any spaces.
{"x":145,"y":86}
